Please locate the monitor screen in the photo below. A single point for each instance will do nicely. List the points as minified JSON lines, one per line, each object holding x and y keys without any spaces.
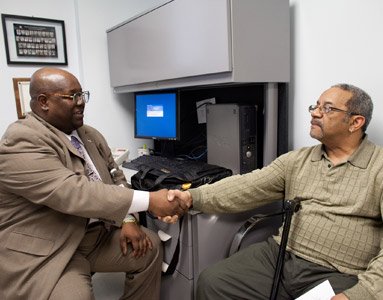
{"x":156,"y":115}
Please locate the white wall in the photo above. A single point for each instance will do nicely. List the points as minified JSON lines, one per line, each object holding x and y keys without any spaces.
{"x":332,"y":41}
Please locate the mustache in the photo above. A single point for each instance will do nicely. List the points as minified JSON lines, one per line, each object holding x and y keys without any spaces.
{"x":316,"y":122}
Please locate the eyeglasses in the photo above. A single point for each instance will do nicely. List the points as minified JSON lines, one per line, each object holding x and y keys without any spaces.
{"x":77,"y":97}
{"x":325,"y":109}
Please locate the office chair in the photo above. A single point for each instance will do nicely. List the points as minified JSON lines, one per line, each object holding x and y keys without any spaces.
{"x":289,"y":207}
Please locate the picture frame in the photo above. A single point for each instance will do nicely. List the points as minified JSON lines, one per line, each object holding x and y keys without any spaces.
{"x":30,"y":40}
{"x":21,"y":89}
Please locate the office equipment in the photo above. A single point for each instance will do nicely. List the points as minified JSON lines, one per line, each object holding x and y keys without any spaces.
{"x":156,"y":115}
{"x":143,"y":151}
{"x":120,"y":155}
{"x":232,"y":137}
{"x":153,"y":161}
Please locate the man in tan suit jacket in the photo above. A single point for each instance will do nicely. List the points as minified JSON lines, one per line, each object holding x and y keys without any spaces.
{"x":48,"y":246}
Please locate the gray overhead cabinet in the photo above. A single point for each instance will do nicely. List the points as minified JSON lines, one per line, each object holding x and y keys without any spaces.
{"x":199,"y":42}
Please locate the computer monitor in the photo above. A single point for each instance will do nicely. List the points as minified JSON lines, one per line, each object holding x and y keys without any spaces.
{"x":157,"y":115}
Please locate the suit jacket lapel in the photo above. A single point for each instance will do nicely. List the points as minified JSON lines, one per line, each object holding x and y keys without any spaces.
{"x":61,"y":135}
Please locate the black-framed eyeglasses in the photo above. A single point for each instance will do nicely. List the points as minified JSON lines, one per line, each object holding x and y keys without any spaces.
{"x":77,"y":97}
{"x":325,"y":109}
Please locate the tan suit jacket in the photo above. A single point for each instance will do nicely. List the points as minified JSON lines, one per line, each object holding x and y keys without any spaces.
{"x":46,"y":201}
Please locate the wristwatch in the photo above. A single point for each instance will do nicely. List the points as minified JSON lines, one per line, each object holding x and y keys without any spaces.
{"x":130,"y":219}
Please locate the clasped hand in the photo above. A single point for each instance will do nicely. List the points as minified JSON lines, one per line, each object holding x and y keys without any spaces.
{"x":132,"y":233}
{"x":169,"y":205}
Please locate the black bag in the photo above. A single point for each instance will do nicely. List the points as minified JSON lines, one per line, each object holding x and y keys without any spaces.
{"x":151,"y":178}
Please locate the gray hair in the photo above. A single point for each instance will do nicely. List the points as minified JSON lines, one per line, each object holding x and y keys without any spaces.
{"x":360,"y":102}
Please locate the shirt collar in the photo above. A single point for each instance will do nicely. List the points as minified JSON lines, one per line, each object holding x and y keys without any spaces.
{"x":360,"y":158}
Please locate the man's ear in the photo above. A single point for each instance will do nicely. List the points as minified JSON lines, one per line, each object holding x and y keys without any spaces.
{"x":42,"y":100}
{"x":356,"y":122}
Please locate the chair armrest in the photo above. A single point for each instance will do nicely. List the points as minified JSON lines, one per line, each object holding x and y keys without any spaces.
{"x":268,"y":222}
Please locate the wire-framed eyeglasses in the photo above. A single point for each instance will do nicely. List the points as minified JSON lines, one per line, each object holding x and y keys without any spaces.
{"x":76,"y":97}
{"x":325,"y":109}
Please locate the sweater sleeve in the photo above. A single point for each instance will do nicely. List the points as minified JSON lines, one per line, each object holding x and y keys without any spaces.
{"x":370,"y":285}
{"x":242,"y":192}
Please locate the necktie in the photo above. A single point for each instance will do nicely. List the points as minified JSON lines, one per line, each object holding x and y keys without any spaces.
{"x":90,"y":173}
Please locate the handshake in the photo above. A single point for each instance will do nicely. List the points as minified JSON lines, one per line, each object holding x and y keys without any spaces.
{"x":169,"y":205}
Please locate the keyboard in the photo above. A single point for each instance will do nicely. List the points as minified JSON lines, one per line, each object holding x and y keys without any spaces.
{"x":158,"y":162}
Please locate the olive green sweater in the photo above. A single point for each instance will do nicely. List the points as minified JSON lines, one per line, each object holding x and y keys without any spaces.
{"x":340,"y":223}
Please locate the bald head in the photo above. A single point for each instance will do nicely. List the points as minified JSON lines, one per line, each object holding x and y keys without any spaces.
{"x":48,"y":81}
{"x":51,"y":90}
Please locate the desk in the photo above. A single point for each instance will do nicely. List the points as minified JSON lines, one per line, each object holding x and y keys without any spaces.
{"x":128,"y":173}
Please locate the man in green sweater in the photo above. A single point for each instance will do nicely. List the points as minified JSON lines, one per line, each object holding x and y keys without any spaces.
{"x":338,"y":233}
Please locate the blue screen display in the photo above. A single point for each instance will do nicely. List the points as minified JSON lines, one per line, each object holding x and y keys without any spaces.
{"x":156,"y":115}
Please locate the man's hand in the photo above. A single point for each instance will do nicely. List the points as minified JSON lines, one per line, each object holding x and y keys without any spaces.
{"x":185,"y":200}
{"x":161,"y":207}
{"x":169,"y":219}
{"x":340,"y":296}
{"x":132,"y":233}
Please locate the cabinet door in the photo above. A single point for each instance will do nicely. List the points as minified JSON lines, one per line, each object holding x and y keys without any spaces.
{"x":183,"y":38}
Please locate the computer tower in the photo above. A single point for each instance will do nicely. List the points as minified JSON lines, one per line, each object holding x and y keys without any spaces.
{"x":232,"y":136}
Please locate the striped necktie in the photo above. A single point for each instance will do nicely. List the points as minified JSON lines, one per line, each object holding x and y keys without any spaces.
{"x":90,"y":172}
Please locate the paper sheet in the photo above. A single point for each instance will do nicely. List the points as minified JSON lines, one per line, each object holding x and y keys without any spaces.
{"x":163,"y":236}
{"x":322,"y":291}
{"x":165,"y":267}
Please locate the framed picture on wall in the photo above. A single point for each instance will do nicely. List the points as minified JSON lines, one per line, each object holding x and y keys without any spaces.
{"x":30,"y":40}
{"x":21,"y":89}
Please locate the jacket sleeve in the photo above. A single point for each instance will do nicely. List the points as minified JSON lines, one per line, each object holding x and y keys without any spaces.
{"x":39,"y":168}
